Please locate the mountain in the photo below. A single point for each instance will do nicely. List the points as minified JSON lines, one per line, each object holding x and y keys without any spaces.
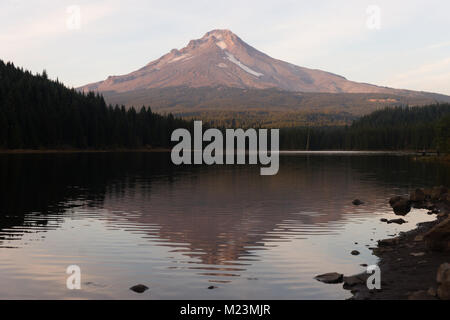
{"x":204,"y":75}
{"x":221,"y":58}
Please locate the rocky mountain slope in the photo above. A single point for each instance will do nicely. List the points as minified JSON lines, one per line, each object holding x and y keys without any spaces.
{"x":221,"y":58}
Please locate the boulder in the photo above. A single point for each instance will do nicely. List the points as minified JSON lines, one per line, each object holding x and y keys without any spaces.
{"x":355,"y":252}
{"x":442,"y":215}
{"x":387,"y":242}
{"x":443,"y":279}
{"x":332,"y":277}
{"x":351,"y":281}
{"x":402,"y":206}
{"x":432,"y":291}
{"x":438,"y":237}
{"x":417,"y":195}
{"x":427,"y":192}
{"x":437,"y":192}
{"x":443,"y":292}
{"x":357,"y":202}
{"x":443,"y":273}
{"x":446,"y":198}
{"x":420,"y":295}
{"x":394,"y":200}
{"x":427,"y":205}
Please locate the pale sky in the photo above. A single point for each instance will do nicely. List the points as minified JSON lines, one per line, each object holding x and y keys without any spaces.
{"x":410,"y":49}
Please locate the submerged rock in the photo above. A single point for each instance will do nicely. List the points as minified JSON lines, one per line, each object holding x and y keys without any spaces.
{"x":357,"y":202}
{"x":332,"y":277}
{"x":139,"y":288}
{"x":212,"y":287}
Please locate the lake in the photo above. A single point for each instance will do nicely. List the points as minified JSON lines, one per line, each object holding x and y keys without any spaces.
{"x":130,"y":218}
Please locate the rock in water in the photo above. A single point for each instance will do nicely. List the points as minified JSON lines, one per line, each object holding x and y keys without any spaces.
{"x":352,"y":281}
{"x":394,"y":200}
{"x":417,"y":195}
{"x":401,"y":205}
{"x":332,"y":277}
{"x":357,"y":202}
{"x":443,"y":278}
{"x":355,"y":252}
{"x":397,"y":221}
{"x":438,"y":237}
{"x":139,"y":288}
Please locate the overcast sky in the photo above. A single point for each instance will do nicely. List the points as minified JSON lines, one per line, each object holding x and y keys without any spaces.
{"x":409,"y":48}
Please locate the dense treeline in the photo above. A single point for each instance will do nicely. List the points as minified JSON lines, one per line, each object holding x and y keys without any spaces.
{"x":36,"y":112}
{"x":268,"y":108}
{"x":400,"y":128}
{"x":443,"y":134}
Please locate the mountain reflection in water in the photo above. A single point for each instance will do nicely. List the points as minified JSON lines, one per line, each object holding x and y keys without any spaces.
{"x":134,"y":217}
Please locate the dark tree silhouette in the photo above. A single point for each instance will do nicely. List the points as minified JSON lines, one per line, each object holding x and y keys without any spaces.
{"x":36,"y":112}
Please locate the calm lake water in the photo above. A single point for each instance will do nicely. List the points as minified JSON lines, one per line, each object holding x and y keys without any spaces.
{"x":130,"y":218}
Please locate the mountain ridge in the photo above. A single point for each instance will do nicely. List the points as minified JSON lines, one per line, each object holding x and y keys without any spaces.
{"x":219,"y":78}
{"x":221,"y":58}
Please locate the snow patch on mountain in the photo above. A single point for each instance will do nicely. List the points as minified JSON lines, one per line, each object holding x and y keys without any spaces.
{"x":233,"y":59}
{"x":222,"y":45}
{"x":182,"y":57}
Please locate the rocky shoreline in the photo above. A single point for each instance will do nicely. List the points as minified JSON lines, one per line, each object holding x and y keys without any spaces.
{"x":415,"y":264}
